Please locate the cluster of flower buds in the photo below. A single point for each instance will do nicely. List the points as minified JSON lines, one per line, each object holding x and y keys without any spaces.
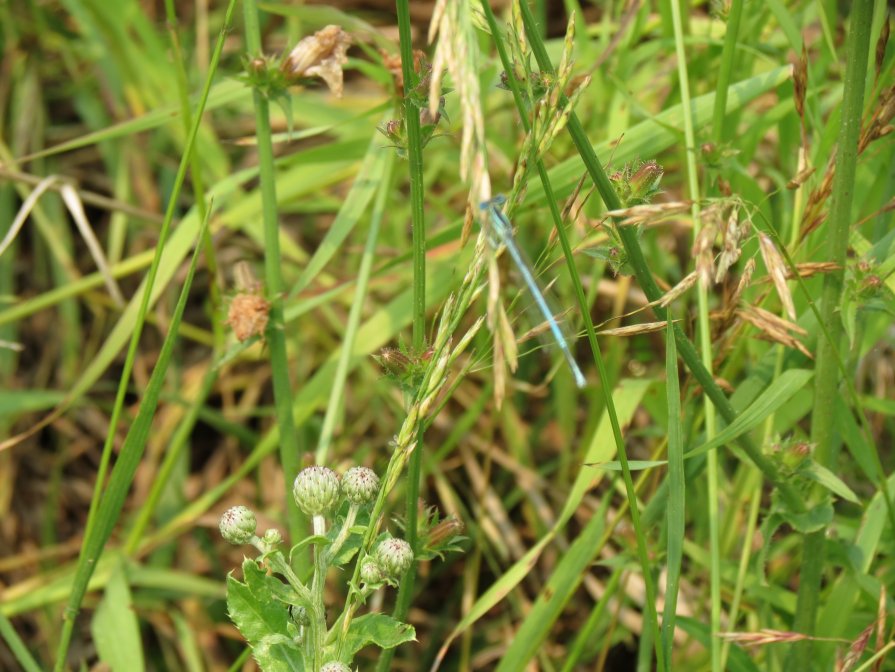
{"x":317,"y":490}
{"x":388,"y":561}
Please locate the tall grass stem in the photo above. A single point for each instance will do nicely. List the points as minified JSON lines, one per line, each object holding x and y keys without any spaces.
{"x":276,"y":334}
{"x":826,"y":386}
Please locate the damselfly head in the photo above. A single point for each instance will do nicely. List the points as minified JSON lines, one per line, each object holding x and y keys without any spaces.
{"x":495,"y":202}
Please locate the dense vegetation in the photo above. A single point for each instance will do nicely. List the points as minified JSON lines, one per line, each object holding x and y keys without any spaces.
{"x":224,"y":260}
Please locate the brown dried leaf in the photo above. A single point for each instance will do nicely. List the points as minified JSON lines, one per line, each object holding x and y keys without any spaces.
{"x":777,"y":270}
{"x":248,"y":315}
{"x":762,"y":637}
{"x":635,"y":329}
{"x":321,"y":55}
{"x":702,"y":253}
{"x":679,"y":289}
{"x":856,"y":650}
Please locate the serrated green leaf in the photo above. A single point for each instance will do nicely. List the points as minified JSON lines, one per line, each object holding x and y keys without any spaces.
{"x":379,"y":629}
{"x":252,"y":606}
{"x":262,"y":619}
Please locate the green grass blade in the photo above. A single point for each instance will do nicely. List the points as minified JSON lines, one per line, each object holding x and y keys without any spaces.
{"x":627,"y":397}
{"x":352,"y":211}
{"x":676,"y":522}
{"x":781,"y":391}
{"x":112,"y":501}
{"x":17,"y":646}
{"x":563,"y":582}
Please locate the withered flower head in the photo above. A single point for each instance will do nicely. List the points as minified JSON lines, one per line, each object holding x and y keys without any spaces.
{"x":320,"y":55}
{"x":248,"y":316}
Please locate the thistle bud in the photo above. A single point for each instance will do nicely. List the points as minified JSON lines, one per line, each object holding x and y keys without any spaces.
{"x":335,"y":666}
{"x":238,"y":525}
{"x":272,"y":538}
{"x":394,"y":557}
{"x":360,"y":485}
{"x":370,"y":573}
{"x":316,"y":490}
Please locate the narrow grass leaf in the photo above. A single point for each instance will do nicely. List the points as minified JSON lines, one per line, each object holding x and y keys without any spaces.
{"x":633,"y":465}
{"x":856,"y":442}
{"x":18,"y":648}
{"x":353,"y":210}
{"x":122,"y":475}
{"x":627,"y":397}
{"x":820,"y":474}
{"x":780,"y":391}
{"x":676,"y":495}
{"x":563,"y":582}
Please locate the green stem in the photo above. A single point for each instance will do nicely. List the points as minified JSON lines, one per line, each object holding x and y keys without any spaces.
{"x":826,"y":386}
{"x":725,"y":70}
{"x":418,"y":227}
{"x":336,"y":546}
{"x":704,"y":328}
{"x":644,"y":276}
{"x":199,"y":191}
{"x":311,"y":600}
{"x":276,"y":334}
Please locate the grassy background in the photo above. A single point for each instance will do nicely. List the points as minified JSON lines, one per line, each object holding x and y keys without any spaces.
{"x":134,"y":438}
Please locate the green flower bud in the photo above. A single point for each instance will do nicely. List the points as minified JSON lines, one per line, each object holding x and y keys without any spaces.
{"x":370,"y":573}
{"x":394,"y":556}
{"x":238,"y":525}
{"x":316,"y":490}
{"x":360,"y":485}
{"x":272,"y":538}
{"x":299,"y":615}
{"x":335,"y":666}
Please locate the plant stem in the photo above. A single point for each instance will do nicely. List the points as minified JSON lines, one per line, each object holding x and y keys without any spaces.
{"x":311,"y":600}
{"x":276,"y":335}
{"x":705,"y":337}
{"x":418,"y":227}
{"x":826,"y":384}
